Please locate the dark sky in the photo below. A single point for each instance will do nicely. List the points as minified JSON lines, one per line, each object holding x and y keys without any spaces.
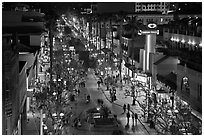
{"x":58,"y":6}
{"x":191,"y":7}
{"x":115,"y":7}
{"x":61,"y":7}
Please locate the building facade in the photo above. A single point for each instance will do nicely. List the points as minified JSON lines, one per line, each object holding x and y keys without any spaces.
{"x":152,"y":6}
{"x":18,"y":27}
{"x":184,"y":40}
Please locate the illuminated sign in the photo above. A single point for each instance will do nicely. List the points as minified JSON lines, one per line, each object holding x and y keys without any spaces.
{"x":71,"y":48}
{"x":151,"y":25}
{"x":141,"y":79}
{"x":140,"y":32}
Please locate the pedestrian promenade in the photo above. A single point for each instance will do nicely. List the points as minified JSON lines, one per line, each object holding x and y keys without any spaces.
{"x":121,"y":100}
{"x":33,"y":124}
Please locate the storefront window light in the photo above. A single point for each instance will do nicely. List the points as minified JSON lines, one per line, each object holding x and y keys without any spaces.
{"x":185,"y":85}
{"x":185,"y":80}
{"x":193,"y":43}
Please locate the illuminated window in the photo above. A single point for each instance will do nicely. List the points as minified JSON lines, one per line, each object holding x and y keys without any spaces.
{"x":185,"y":85}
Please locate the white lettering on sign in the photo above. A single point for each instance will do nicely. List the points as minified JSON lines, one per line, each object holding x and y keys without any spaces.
{"x":152,"y":25}
{"x":140,"y":32}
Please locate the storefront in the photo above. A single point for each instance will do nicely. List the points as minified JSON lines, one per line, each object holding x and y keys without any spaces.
{"x":123,"y":69}
{"x":141,"y":78}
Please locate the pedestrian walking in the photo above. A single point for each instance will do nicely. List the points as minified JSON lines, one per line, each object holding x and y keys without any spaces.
{"x":124,"y":108}
{"x":136,"y":117}
{"x":114,"y":95}
{"x":79,"y":123}
{"x":133,"y":101}
{"x":98,"y":82}
{"x":101,"y":80}
{"x":110,"y":92}
{"x":133,"y":118}
{"x":114,"y":90}
{"x":128,"y":107}
{"x":128,"y":117}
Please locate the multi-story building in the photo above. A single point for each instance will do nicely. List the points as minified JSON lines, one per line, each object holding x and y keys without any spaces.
{"x":186,"y":36}
{"x":21,"y":38}
{"x":151,"y":16}
{"x":152,"y":6}
{"x":183,"y":37}
{"x":112,"y":7}
{"x":184,"y":40}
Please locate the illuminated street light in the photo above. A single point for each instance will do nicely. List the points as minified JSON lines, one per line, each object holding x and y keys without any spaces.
{"x":74,"y":19}
{"x":54,"y":93}
{"x":54,"y":114}
{"x":183,"y":41}
{"x":61,"y":114}
{"x":98,"y":108}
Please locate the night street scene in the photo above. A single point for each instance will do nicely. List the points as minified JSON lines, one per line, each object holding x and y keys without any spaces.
{"x":102,"y":68}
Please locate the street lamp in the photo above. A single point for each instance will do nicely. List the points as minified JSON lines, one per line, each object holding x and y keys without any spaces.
{"x":176,"y":112}
{"x":54,"y":114}
{"x":54,"y":93}
{"x":98,"y":108}
{"x":61,"y":114}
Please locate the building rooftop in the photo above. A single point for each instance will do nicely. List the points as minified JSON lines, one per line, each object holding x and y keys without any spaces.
{"x":25,"y":48}
{"x":161,"y":60}
{"x":21,"y":65}
{"x":22,"y":22}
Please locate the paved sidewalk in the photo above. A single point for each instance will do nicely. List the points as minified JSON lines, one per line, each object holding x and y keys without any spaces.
{"x":122,"y":99}
{"x":79,"y":106}
{"x":33,"y":124}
